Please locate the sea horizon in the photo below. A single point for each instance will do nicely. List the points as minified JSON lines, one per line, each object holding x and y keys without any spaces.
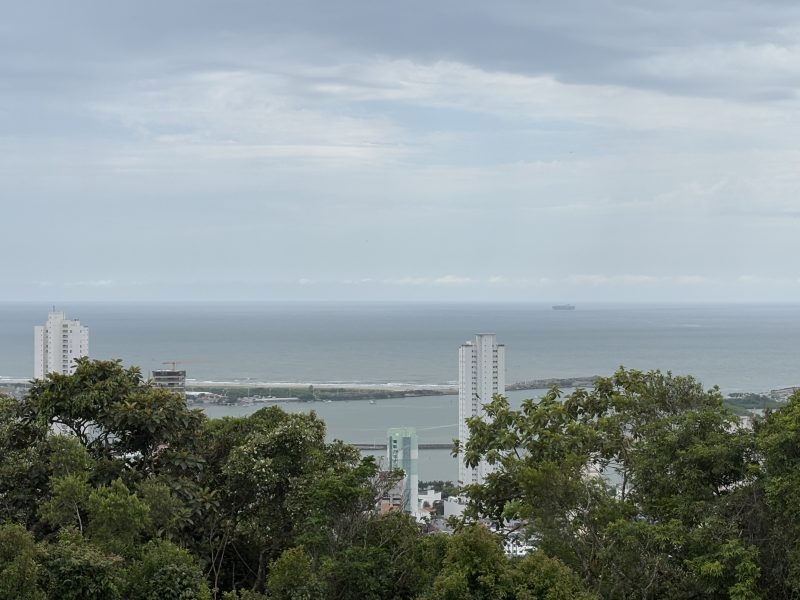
{"x":738,"y":346}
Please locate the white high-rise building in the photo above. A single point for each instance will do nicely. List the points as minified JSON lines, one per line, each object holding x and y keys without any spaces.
{"x":481,"y":375}
{"x":57,"y":344}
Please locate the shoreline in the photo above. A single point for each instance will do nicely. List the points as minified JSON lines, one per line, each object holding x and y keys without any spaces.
{"x":438,"y":388}
{"x":250,"y":393}
{"x":239,"y":393}
{"x":400,"y":387}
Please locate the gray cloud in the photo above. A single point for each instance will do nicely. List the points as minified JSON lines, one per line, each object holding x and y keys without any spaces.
{"x":578,"y":41}
{"x":601,"y":148}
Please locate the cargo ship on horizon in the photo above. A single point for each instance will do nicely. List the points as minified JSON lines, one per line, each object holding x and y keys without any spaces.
{"x":564,"y":307}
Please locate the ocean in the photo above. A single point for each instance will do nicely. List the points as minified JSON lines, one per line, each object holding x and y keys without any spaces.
{"x":738,"y":347}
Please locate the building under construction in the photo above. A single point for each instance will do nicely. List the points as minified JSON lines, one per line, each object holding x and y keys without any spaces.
{"x":170,"y":379}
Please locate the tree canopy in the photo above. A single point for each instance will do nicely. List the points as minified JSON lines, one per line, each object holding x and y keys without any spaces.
{"x":645,"y":486}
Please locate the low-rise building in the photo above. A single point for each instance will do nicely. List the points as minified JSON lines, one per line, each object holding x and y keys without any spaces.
{"x":392,"y":499}
{"x":454,"y":506}
{"x":428,"y":498}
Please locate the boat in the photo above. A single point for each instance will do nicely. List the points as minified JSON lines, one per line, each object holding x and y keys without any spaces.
{"x":564,"y":307}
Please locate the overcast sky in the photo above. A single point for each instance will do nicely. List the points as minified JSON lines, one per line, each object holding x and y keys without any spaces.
{"x":437,"y":149}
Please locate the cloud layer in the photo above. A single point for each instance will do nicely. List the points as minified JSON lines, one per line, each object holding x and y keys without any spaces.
{"x":597,"y":150}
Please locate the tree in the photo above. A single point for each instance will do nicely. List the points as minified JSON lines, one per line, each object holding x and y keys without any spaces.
{"x":77,"y":570}
{"x":19,"y":566}
{"x":388,"y":557}
{"x":104,"y":454}
{"x":773,"y":518}
{"x":675,"y":460}
{"x":117,"y":518}
{"x":165,"y":572}
{"x":292,"y":577}
{"x":69,"y":466}
{"x":644,"y":487}
{"x":117,"y":431}
{"x":475,"y":568}
{"x":66,"y":506}
{"x":22,"y":470}
{"x":116,"y":416}
{"x":79,"y":404}
{"x":168,"y":514}
{"x":279,"y":485}
{"x":539,"y":577}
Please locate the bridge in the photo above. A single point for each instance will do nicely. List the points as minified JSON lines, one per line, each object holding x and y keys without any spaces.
{"x":447,"y":446}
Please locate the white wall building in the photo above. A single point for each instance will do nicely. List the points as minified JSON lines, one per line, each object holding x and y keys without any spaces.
{"x":428,"y":497}
{"x":454,"y":506}
{"x":57,"y":344}
{"x":481,"y":374}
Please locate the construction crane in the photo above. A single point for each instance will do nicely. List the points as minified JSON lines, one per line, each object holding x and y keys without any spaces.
{"x":174,"y":363}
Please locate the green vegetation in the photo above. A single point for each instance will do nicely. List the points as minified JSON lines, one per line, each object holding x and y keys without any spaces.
{"x":743,"y":403}
{"x":564,"y":382}
{"x":447,"y":488}
{"x":233,"y":394}
{"x":112,"y":489}
{"x":690,"y":505}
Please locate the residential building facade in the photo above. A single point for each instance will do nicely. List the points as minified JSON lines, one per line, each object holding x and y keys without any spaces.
{"x":481,"y":375}
{"x":57,"y":344}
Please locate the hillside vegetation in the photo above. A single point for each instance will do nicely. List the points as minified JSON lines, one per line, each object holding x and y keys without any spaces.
{"x":645,"y":486}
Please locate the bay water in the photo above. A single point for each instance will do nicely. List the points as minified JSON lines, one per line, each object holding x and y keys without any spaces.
{"x":738,"y":347}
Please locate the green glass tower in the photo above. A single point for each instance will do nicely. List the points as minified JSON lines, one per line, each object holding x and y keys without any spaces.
{"x":402,"y":452}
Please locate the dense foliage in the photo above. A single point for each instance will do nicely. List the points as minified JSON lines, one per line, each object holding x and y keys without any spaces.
{"x":648,"y":487}
{"x":643,"y":487}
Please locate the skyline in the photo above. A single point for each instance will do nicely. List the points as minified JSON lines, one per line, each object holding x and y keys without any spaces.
{"x":600,"y":151}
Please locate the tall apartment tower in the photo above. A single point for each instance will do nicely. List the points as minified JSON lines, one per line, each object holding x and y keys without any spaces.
{"x":402,"y":452}
{"x":481,"y":375}
{"x":57,"y":344}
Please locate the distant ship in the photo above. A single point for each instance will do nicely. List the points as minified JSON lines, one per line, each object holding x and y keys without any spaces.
{"x":564,"y":307}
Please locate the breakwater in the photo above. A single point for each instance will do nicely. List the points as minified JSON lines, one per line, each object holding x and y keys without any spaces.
{"x":305,"y":392}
